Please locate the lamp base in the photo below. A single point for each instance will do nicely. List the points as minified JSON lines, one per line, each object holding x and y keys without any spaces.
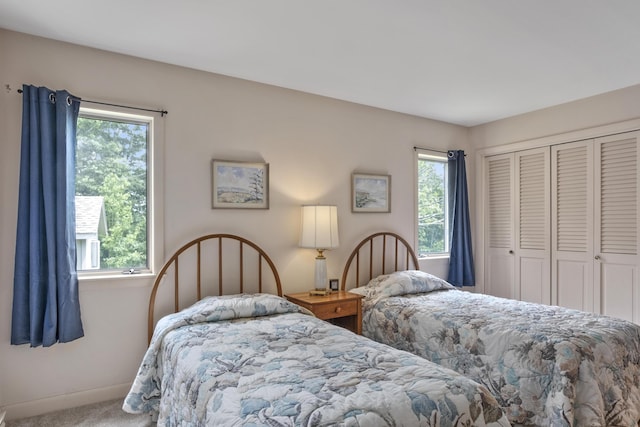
{"x":320,"y":292}
{"x":320,"y":281}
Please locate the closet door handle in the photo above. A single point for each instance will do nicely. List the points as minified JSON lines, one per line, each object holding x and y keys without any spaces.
{"x":597,"y":257}
{"x":511,"y":252}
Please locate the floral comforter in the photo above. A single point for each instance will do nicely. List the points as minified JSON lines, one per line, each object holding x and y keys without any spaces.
{"x":546,"y":365}
{"x":259,"y":360}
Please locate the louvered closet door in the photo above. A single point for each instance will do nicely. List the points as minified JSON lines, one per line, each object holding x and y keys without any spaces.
{"x":533,"y":226}
{"x":572,"y":225}
{"x":616,"y":227}
{"x":499,"y":238}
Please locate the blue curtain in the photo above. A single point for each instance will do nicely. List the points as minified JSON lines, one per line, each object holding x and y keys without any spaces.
{"x":46,"y":308}
{"x":461,"y":270}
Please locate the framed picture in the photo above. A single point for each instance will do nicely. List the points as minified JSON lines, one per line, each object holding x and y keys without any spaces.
{"x":370,"y":193}
{"x":241,"y":185}
{"x":334,"y":284}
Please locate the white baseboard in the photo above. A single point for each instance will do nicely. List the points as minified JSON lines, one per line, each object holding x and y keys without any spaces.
{"x":65,"y":401}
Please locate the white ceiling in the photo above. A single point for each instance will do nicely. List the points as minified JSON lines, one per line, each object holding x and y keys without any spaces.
{"x":461,"y":61}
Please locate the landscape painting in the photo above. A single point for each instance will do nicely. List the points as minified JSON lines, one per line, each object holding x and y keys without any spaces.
{"x":240,"y":184}
{"x":370,"y":193}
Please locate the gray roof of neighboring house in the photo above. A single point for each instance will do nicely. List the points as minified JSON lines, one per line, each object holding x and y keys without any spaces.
{"x":90,"y":215}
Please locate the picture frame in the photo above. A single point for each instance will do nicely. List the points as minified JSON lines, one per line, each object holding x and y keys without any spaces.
{"x":239,"y":185}
{"x":370,"y":193}
{"x":334,"y":285}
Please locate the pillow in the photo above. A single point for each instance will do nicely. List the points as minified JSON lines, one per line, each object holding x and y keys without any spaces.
{"x":227,"y":307}
{"x":402,"y":283}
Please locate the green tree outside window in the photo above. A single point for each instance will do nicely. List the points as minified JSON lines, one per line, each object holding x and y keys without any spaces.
{"x":432,"y":207}
{"x":111,"y":161}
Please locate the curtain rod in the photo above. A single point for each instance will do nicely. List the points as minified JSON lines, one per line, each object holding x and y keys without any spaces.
{"x":435,"y":151}
{"x":162,"y":112}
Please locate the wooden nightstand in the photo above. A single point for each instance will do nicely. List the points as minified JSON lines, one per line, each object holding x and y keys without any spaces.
{"x":340,"y":308}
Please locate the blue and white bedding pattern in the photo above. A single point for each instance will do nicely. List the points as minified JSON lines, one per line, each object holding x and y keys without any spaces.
{"x":546,"y":365}
{"x":259,"y":360}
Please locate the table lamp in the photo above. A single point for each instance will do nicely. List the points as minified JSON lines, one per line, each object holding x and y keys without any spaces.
{"x":320,"y":232}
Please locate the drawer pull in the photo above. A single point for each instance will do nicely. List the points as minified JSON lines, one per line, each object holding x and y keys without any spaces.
{"x":338,"y":309}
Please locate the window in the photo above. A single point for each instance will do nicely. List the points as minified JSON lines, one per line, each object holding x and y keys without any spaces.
{"x":112,"y":191}
{"x":432,"y":215}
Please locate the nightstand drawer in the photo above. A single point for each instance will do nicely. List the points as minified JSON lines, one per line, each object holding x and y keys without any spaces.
{"x":337,"y":309}
{"x":340,"y":308}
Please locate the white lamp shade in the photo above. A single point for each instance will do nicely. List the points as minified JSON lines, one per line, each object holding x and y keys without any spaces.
{"x":319,"y":227}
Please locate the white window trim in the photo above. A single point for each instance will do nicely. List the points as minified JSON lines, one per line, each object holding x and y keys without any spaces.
{"x":155,"y":196}
{"x":421,"y":153}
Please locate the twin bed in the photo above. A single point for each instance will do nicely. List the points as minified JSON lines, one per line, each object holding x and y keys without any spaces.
{"x":249,"y":357}
{"x":438,"y":355}
{"x":546,"y":365}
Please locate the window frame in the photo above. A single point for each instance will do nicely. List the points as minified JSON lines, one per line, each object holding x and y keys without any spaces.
{"x":155,"y":237}
{"x":441,"y":157}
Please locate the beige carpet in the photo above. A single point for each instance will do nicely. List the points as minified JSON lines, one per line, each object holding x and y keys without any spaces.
{"x":105,"y":414}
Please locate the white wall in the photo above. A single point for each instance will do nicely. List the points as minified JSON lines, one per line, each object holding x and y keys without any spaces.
{"x":584,"y":114}
{"x":312,"y":144}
